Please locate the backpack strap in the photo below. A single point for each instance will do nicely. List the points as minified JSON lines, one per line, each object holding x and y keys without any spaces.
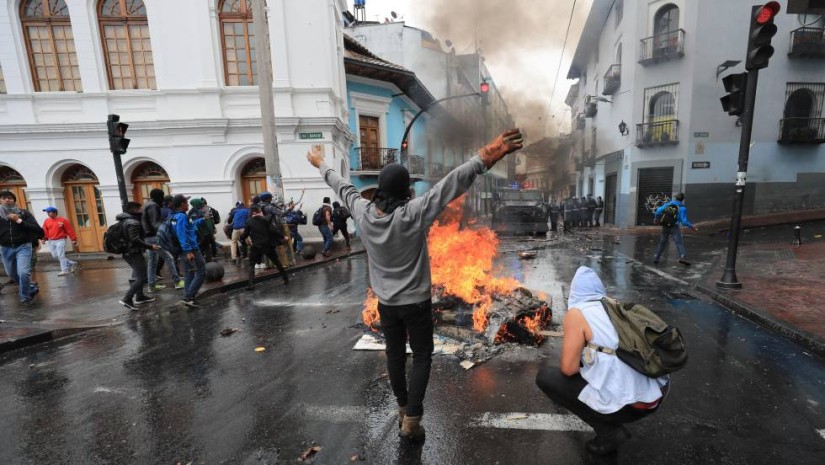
{"x":598,"y":348}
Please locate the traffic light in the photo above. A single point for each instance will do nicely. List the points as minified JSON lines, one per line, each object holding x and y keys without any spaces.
{"x":734,"y":102}
{"x":484,"y":90}
{"x":762,"y":30}
{"x":117,"y":132}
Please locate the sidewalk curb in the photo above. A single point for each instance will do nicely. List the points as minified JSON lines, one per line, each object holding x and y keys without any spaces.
{"x":44,"y":336}
{"x":796,"y":335}
{"x":242,"y":283}
{"x":53,"y":334}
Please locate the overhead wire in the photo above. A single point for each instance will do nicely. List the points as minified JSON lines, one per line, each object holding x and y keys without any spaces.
{"x":561,"y":59}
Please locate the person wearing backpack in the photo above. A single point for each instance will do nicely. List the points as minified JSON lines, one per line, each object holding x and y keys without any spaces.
{"x":18,"y":230}
{"x":265,"y":237}
{"x":393,"y":227}
{"x":131,"y":235}
{"x":340,"y":214}
{"x":236,"y":220}
{"x":671,"y":216}
{"x":294,"y":218}
{"x":151,"y":219}
{"x":186,"y":236}
{"x":597,"y":386}
{"x":323,"y":219}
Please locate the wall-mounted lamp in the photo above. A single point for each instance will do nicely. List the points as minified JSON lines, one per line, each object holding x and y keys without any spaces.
{"x":623,"y":128}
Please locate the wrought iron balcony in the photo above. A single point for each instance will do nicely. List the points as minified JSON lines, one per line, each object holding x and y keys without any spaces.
{"x":612,"y":80}
{"x":802,"y":131}
{"x":659,"y":133}
{"x":415,"y":164}
{"x":437,"y":170}
{"x":807,"y":42}
{"x":375,"y":158}
{"x":665,"y":46}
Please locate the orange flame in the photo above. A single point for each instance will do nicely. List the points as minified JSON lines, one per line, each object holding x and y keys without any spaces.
{"x":461,"y":261}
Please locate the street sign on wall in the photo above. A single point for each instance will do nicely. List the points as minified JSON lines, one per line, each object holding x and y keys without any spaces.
{"x":698,"y":165}
{"x":310,"y":135}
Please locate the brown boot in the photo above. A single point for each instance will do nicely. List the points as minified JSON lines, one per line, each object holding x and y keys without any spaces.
{"x":402,"y":412}
{"x":411,"y":428}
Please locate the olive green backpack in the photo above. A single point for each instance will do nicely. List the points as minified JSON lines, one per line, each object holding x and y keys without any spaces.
{"x":646,"y":343}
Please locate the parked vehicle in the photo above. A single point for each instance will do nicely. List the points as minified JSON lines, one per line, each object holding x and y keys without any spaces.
{"x":520,"y":211}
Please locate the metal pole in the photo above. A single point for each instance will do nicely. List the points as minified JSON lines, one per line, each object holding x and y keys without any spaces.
{"x":121,"y":181}
{"x":264,"y":56}
{"x":421,"y":111}
{"x":729,"y":280}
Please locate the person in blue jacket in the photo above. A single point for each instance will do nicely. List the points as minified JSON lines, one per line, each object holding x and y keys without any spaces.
{"x":194,"y":266}
{"x":674,"y":229}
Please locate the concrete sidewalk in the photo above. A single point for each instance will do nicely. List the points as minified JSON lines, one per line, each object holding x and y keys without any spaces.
{"x":89,"y":299}
{"x":783,"y":285}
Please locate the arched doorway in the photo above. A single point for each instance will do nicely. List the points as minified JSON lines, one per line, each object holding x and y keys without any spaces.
{"x":148,"y":176}
{"x":85,"y":207}
{"x":11,"y":180}
{"x":253,"y":178}
{"x":665,"y":24}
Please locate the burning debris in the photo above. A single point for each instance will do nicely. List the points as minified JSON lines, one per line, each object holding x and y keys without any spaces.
{"x":469,"y":304}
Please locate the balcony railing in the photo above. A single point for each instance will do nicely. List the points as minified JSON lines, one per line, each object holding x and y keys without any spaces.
{"x":665,"y":46}
{"x":590,"y":110}
{"x":415,"y":164}
{"x":802,"y":131}
{"x":437,"y":170}
{"x":658,"y":133}
{"x":375,"y":158}
{"x":612,"y":80}
{"x":807,"y":42}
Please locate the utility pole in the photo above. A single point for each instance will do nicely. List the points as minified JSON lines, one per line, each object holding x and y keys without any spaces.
{"x":263,"y":54}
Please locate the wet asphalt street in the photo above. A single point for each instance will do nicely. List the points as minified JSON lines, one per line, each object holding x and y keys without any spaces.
{"x":166,"y":387}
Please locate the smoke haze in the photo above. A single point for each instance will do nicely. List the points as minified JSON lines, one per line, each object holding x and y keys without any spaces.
{"x":521,"y":41}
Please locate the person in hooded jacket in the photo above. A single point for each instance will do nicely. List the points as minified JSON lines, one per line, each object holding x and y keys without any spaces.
{"x":265,"y":238}
{"x":151,"y":220}
{"x":136,"y":245}
{"x":599,"y":388}
{"x":393,"y":229}
{"x":340,"y":215}
{"x":18,"y":231}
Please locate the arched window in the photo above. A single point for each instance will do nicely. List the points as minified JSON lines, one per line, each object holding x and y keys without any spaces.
{"x":662,"y":107}
{"x":146,"y":177}
{"x":238,"y":42}
{"x":666,"y":19}
{"x":49,"y":41}
{"x":124,"y":30}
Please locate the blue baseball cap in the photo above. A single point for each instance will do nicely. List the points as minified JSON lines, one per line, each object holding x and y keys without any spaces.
{"x":50,"y":209}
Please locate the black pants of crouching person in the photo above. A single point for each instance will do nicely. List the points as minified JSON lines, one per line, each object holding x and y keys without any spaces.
{"x":564,"y":390}
{"x":398,"y":322}
{"x":255,"y":255}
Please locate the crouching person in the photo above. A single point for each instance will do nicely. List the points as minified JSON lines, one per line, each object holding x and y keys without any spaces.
{"x":265,"y":236}
{"x":599,"y":388}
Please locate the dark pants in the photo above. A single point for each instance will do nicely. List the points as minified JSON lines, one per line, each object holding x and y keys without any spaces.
{"x":255,"y":255}
{"x":598,"y":215}
{"x":344,"y":232}
{"x":590,"y":213}
{"x":564,"y":390}
{"x":398,"y":323}
{"x":554,"y":222}
{"x":139,"y":271}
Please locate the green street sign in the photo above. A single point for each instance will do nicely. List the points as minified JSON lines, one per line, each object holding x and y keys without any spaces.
{"x":310,"y":135}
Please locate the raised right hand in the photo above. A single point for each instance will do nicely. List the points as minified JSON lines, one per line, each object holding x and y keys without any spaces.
{"x":508,"y":142}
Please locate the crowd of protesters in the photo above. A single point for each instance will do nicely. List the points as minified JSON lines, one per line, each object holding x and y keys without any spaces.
{"x":173,"y":232}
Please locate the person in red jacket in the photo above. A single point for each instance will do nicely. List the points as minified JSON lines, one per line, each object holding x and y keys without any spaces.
{"x":57,"y":229}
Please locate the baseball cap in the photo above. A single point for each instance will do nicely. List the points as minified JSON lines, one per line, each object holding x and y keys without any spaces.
{"x":178,"y":200}
{"x":50,"y":209}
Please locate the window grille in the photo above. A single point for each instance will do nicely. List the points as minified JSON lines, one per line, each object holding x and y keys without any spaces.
{"x":814,"y":93}
{"x":661,"y":103}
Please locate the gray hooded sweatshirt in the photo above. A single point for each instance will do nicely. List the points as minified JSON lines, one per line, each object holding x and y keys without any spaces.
{"x":397,"y":243}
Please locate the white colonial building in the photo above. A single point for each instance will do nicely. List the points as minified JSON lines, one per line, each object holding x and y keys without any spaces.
{"x":182,"y":74}
{"x":656,"y":67}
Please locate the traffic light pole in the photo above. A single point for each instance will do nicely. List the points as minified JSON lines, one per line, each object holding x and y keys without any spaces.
{"x":121,"y":181}
{"x":421,"y":112}
{"x":272,"y":160}
{"x":729,"y":280}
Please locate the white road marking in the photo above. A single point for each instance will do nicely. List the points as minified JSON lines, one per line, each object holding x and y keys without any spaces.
{"x":335,"y":414}
{"x":821,"y":433}
{"x":531,"y":421}
{"x":654,"y":269}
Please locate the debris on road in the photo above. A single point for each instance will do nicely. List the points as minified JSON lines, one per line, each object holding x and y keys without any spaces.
{"x":260,"y":349}
{"x":229,"y":331}
{"x":527,"y":254}
{"x":466,"y":364}
{"x":309,"y":453}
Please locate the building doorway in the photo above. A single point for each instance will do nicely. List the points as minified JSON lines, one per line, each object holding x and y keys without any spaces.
{"x":148,"y":176}
{"x":610,"y":188}
{"x":253,"y":179}
{"x":370,"y":142}
{"x":11,"y":180}
{"x":655,"y":188}
{"x":84,"y":205}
